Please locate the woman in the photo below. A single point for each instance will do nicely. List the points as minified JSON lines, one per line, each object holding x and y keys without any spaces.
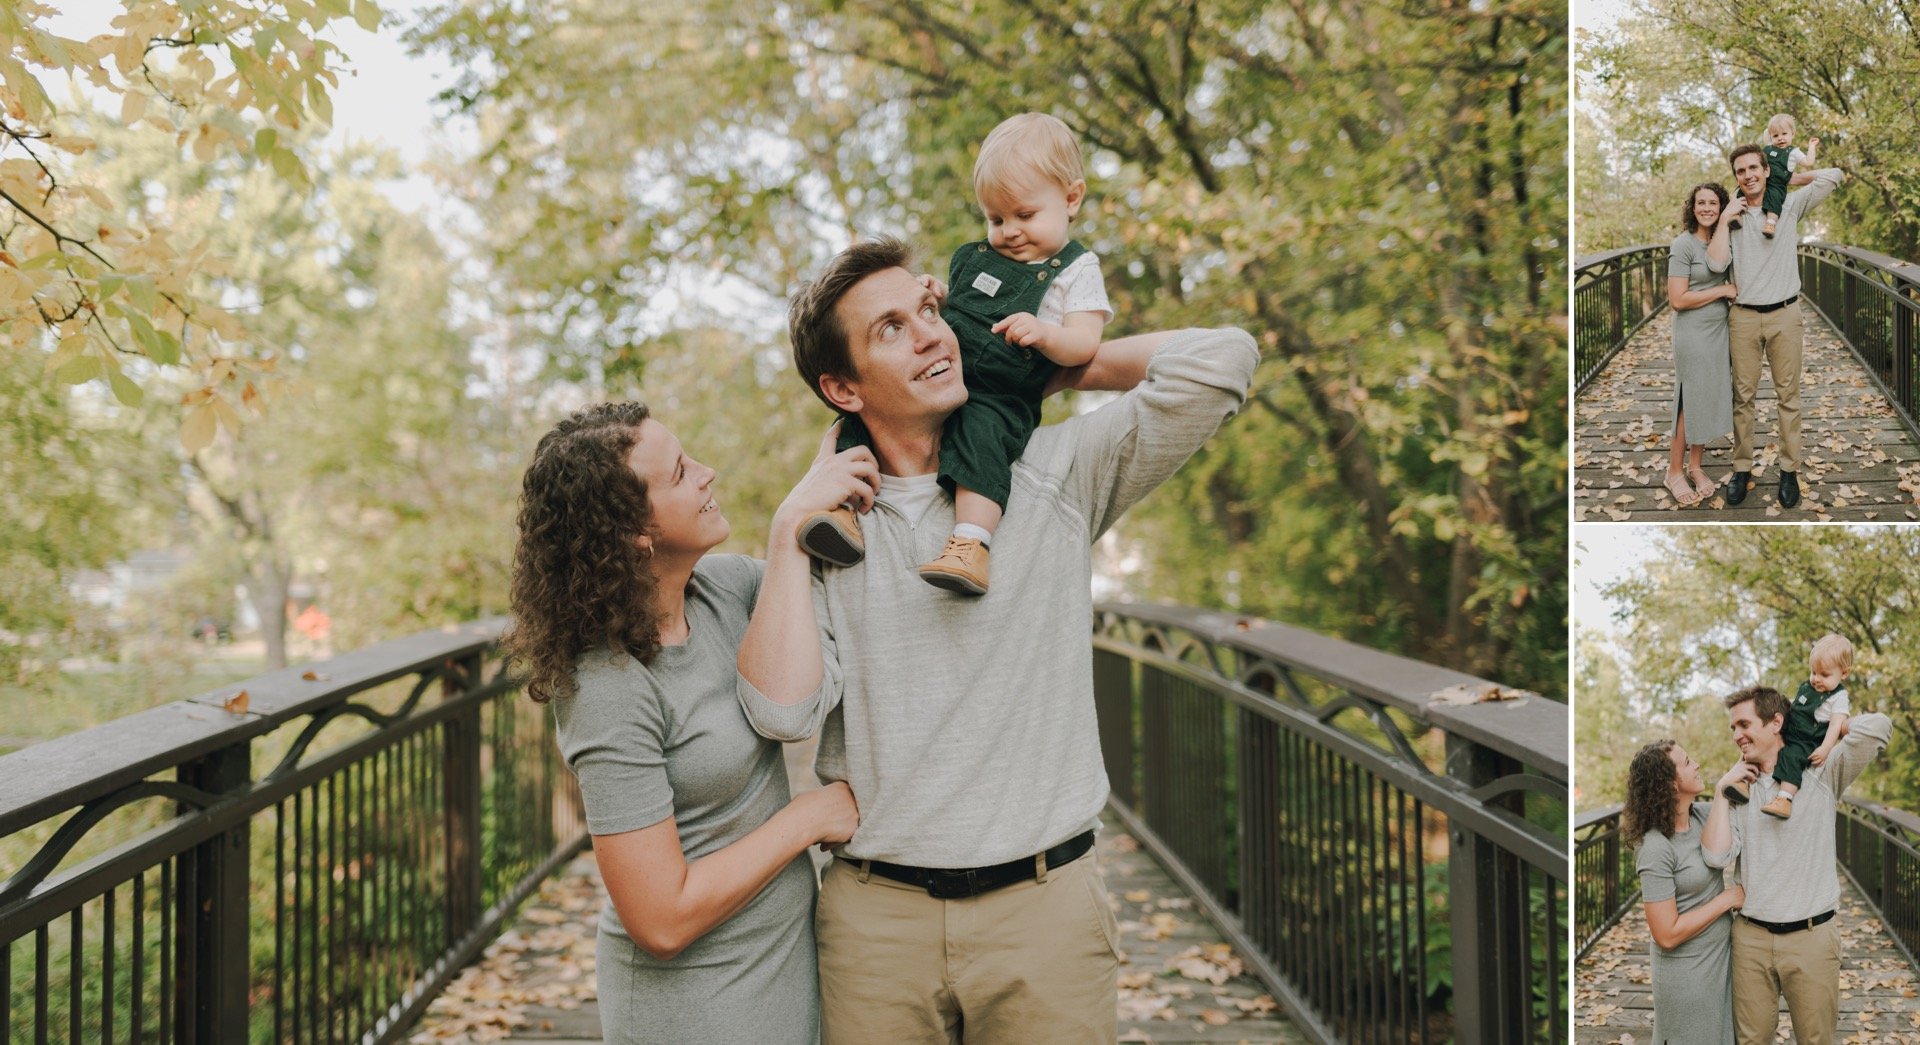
{"x":625,"y":622}
{"x":1698,"y":290}
{"x":1687,"y":911}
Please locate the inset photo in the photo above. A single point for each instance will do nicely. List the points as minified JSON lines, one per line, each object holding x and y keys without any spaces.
{"x":1746,"y":779}
{"x":1746,"y":288}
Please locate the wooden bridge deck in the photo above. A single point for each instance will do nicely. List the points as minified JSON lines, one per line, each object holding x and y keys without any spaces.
{"x":536,"y":983}
{"x":1879,"y":992}
{"x":1861,"y":462}
{"x":1179,"y":982}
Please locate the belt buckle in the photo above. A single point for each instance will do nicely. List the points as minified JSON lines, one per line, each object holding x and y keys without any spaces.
{"x":952,"y":885}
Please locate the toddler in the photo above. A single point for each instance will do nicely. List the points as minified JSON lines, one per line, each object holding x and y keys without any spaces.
{"x":1023,"y":303}
{"x":1782,"y":160}
{"x":1816,"y":720}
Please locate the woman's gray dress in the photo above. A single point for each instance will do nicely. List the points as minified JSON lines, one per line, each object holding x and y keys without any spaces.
{"x":1703,"y":370}
{"x":670,"y":739}
{"x":1693,"y":983}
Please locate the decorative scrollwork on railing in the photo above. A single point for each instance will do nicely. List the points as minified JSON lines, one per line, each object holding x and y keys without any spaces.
{"x":1266,"y":677}
{"x":1389,"y":729}
{"x":36,"y":870}
{"x":291,"y":761}
{"x":1518,"y":783}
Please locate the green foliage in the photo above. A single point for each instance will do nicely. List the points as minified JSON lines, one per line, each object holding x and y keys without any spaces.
{"x":1668,"y":93}
{"x":63,"y":514}
{"x":1399,"y":478}
{"x":1718,"y":609}
{"x":383,"y":481}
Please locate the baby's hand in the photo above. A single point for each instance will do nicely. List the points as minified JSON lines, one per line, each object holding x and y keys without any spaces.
{"x":1022,"y":329}
{"x":939,"y":289}
{"x":1819,"y":756}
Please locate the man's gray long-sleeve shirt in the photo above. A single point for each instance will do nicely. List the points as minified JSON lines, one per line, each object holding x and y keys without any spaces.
{"x":966,"y":726}
{"x":1788,"y":866}
{"x":1767,"y":271}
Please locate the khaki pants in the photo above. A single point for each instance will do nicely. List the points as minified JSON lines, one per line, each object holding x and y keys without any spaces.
{"x":1775,"y":339}
{"x":1804,"y":966}
{"x":1031,"y":962}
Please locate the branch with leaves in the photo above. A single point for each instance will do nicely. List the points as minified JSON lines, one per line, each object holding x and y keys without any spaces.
{"x":103,"y":285}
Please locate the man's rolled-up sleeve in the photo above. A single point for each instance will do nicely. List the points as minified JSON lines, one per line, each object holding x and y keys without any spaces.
{"x":1197,"y":380}
{"x":802,"y":719}
{"x":1722,"y":861}
{"x":1866,"y":737}
{"x":1804,"y":198}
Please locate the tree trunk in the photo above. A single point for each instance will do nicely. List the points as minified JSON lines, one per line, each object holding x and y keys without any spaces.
{"x":267,"y":587}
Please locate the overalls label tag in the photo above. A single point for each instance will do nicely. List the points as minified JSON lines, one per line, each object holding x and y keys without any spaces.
{"x":986,"y":284}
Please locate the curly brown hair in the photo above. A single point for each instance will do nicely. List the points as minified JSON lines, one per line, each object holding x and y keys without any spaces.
{"x":580,"y":578}
{"x":1653,"y":786}
{"x":1687,"y":219}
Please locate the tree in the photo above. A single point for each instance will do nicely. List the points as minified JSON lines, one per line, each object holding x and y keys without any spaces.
{"x":1258,"y":165}
{"x":1690,"y":81}
{"x":66,"y":510}
{"x":1724,"y":608}
{"x":108,"y":284}
{"x":383,"y":479}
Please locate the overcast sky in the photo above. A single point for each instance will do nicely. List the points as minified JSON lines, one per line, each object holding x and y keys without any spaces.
{"x":1604,"y":553}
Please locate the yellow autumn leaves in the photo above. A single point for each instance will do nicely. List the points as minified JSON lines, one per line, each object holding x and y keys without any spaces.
{"x":97,"y":283}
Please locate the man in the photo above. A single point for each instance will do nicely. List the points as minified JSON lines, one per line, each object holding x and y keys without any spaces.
{"x":1764,"y":324}
{"x":967,"y":906}
{"x":1784,"y":941}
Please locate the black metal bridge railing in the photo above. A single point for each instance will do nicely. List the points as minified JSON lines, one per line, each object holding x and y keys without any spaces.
{"x":311,"y":857}
{"x":1392,"y":864}
{"x":1872,"y":300}
{"x":1878,"y":848}
{"x":1614,"y":294}
{"x":317,"y":859}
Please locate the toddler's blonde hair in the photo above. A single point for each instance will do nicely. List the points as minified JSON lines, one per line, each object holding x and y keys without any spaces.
{"x":1024,"y":147}
{"x":1831,"y":651}
{"x":1786,"y":122}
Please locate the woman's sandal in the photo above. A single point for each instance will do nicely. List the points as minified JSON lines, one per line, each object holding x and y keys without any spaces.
{"x":1702,"y":483}
{"x":1684,"y":493}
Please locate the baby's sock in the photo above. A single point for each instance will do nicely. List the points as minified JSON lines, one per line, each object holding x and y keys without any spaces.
{"x":978,"y":533}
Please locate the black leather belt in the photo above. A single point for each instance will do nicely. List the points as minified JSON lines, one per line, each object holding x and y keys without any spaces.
{"x":1791,"y":927}
{"x":1775,"y":307}
{"x":955,"y":883}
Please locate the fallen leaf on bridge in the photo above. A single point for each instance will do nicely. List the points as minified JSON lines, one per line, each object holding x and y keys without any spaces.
{"x":1215,"y":963}
{"x":1477,"y":693}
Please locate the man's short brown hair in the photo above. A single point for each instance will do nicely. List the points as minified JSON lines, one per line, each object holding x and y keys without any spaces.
{"x":1742,"y":150}
{"x":1767,"y":702}
{"x":813,"y":318}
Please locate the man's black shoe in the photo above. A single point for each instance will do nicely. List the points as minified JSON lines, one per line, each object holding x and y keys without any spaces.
{"x":1737,"y":487}
{"x":1789,"y":490}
